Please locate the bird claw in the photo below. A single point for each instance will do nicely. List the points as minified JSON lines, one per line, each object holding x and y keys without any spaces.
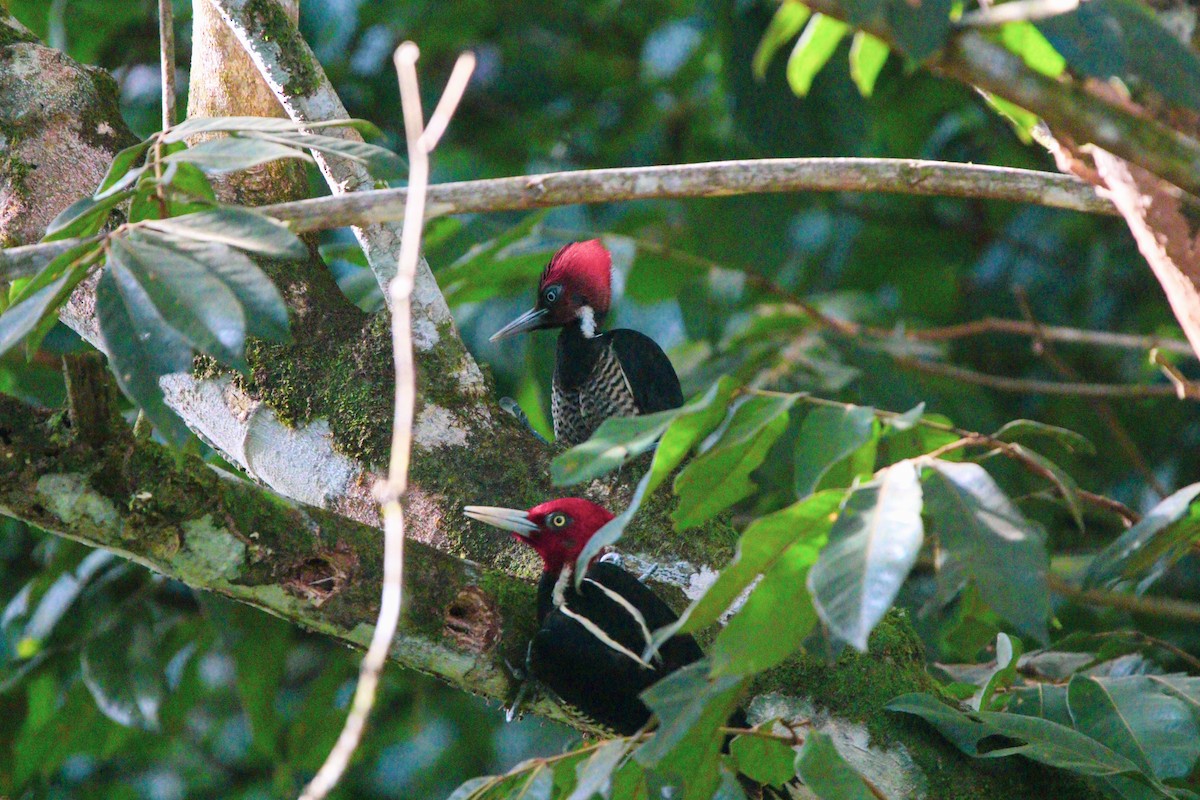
{"x":523,"y":675}
{"x":512,"y":407}
{"x":615,"y":559}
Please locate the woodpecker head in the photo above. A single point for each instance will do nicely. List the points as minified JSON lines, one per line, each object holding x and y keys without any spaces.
{"x":576,"y":285}
{"x":557,"y":529}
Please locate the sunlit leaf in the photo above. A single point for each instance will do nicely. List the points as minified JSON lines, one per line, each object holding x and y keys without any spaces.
{"x":1024,"y":39}
{"x":762,"y":759}
{"x":872,"y":546}
{"x":867,"y":57}
{"x":720,"y":476}
{"x":813,"y":50}
{"x":789,"y":18}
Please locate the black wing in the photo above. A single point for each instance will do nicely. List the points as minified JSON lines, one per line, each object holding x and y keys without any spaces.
{"x":649,"y":372}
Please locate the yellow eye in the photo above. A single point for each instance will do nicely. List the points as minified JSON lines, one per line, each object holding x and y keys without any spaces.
{"x":558,"y":520}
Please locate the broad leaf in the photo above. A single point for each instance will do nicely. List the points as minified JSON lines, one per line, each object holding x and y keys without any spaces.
{"x":984,"y":538}
{"x":125,"y":668}
{"x":594,"y":776}
{"x":22,"y":319}
{"x":84,"y":217}
{"x":1136,"y":718}
{"x":242,"y":228}
{"x":379,"y":161}
{"x":1008,"y":654}
{"x":997,"y":735}
{"x":1062,"y":480}
{"x":616,"y":441}
{"x":185,"y":294}
{"x":120,"y":168}
{"x":1153,"y":545}
{"x":1024,"y":39}
{"x":827,"y":437}
{"x":233,"y":153}
{"x":721,"y":476}
{"x":764,"y":542}
{"x":872,"y":546}
{"x":690,"y":708}
{"x":1022,"y":430}
{"x":867,"y":57}
{"x":775,"y":619}
{"x":763,"y":759}
{"x":788,"y":20}
{"x":813,"y":50}
{"x":826,"y":773}
{"x":692,"y":423}
{"x":141,"y":347}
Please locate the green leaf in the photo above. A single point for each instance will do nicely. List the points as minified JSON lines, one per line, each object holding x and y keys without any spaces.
{"x":789,"y":18}
{"x":775,"y":618}
{"x":826,"y":773}
{"x":379,"y":161}
{"x":991,"y":734}
{"x":692,"y":423}
{"x":84,"y":217}
{"x":233,"y":153}
{"x":194,"y":125}
{"x":611,"y":531}
{"x":266,"y":313}
{"x":1122,"y":38}
{"x":872,"y":546}
{"x":765,"y":760}
{"x":721,"y":476}
{"x":829,"y":436}
{"x":141,"y":347}
{"x":1133,"y":716}
{"x":1023,"y":122}
{"x":119,"y":170}
{"x":867,"y":57}
{"x":185,"y":294}
{"x":242,"y":228}
{"x":594,"y":776}
{"x":761,"y":545}
{"x":986,"y":539}
{"x":1022,"y":430}
{"x":125,"y":669}
{"x":919,"y":29}
{"x":1024,"y":39}
{"x":22,"y":319}
{"x":813,"y":50}
{"x":1153,"y":545}
{"x":616,"y":441}
{"x":1008,"y":654}
{"x":690,"y":707}
{"x":1062,"y":480}
{"x":190,"y":181}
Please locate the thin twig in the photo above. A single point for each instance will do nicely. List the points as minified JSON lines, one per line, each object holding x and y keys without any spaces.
{"x":1165,"y":607}
{"x":1099,"y":406}
{"x":1050,"y":333}
{"x":166,"y":57}
{"x":1184,"y":389}
{"x":1115,"y":391}
{"x":390,"y":493}
{"x":1016,"y":11}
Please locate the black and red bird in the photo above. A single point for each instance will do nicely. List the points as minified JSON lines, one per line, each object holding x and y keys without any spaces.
{"x":619,"y":373}
{"x":590,"y":643}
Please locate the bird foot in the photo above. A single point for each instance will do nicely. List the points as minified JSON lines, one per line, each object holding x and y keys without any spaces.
{"x":523,"y":674}
{"x":511,"y":406}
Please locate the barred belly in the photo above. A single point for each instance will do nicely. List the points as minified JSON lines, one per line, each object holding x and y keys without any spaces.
{"x":605,"y":393}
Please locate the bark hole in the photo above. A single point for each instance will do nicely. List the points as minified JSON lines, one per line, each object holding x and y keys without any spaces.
{"x":317,"y":579}
{"x":472,"y":620}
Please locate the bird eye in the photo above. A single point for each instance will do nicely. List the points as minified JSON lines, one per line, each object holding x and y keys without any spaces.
{"x":551,"y":294}
{"x":558,"y":520}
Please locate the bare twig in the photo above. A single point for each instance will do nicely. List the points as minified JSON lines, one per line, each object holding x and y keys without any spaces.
{"x":1184,"y":389}
{"x":709,"y":179}
{"x":166,"y":57}
{"x":1165,"y":607}
{"x":390,"y":493}
{"x":1050,"y":333}
{"x":1115,"y":391}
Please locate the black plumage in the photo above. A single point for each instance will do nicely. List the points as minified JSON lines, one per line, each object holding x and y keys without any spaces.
{"x":620,"y":373}
{"x":593,"y":678}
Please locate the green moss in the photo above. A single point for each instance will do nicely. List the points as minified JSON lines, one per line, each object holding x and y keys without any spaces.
{"x":268,"y":21}
{"x":517,"y":603}
{"x":11,"y":34}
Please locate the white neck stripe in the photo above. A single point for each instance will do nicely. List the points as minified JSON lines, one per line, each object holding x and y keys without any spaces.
{"x":587,"y":321}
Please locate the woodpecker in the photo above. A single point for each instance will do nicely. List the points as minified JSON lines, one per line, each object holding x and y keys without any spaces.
{"x":589,"y":648}
{"x":619,"y":373}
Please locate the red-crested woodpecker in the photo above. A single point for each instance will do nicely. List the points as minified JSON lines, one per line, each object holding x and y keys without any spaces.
{"x":597,"y":375}
{"x":589,"y":647}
